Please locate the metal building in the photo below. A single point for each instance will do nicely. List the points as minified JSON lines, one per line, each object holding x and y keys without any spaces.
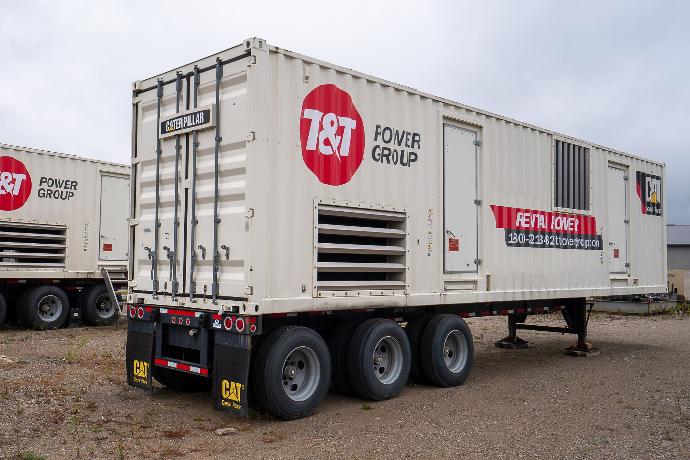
{"x":678,"y":247}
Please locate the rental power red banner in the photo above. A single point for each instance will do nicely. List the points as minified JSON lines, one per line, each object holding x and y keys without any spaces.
{"x":530,"y":228}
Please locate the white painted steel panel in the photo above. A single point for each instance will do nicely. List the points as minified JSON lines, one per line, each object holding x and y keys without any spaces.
{"x":460,"y":211}
{"x":62,"y":192}
{"x":617,"y":220}
{"x":302,"y":131}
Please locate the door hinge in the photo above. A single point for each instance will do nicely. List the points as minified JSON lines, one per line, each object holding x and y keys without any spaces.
{"x":625,"y":177}
{"x":477,"y":201}
{"x":626,"y":221}
{"x":477,"y":142}
{"x":477,"y":261}
{"x":627,"y":265}
{"x":251,"y":136}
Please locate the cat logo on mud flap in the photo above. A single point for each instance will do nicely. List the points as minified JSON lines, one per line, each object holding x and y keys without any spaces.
{"x":140,"y":369}
{"x":231,"y":393}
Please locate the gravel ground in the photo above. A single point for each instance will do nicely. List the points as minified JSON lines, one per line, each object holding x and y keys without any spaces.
{"x":63,"y":395}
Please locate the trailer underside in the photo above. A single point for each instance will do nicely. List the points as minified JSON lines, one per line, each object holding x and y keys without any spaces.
{"x":192,"y":350}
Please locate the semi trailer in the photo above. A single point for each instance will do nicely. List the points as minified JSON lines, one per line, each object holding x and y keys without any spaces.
{"x":63,"y":237}
{"x":296,"y":224}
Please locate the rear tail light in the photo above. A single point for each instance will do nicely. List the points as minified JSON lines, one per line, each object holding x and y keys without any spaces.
{"x":227,"y":323}
{"x":140,"y":312}
{"x":239,"y":324}
{"x":132,"y":312}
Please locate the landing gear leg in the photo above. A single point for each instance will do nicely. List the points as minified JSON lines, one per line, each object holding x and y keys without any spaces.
{"x":512,"y":340}
{"x":577,"y":318}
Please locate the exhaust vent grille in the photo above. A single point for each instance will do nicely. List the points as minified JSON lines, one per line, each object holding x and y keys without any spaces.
{"x":360,"y":249}
{"x":32,"y":245}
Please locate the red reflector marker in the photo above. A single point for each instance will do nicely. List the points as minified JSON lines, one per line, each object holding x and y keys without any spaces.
{"x":239,"y":324}
{"x":132,"y":312}
{"x":227,"y":323}
{"x":140,"y":312}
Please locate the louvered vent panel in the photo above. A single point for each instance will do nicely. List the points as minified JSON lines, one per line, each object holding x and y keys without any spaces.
{"x":360,"y":249}
{"x":32,"y":245}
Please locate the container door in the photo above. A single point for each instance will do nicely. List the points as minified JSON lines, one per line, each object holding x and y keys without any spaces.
{"x":114,"y":229}
{"x":617,"y":220}
{"x":460,"y":193}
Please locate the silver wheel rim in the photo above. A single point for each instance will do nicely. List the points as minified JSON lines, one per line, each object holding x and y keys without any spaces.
{"x":104,"y":307}
{"x":49,"y":308}
{"x":301,"y":373}
{"x":455,"y":351}
{"x":387,"y":360}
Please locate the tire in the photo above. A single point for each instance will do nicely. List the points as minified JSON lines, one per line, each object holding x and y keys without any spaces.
{"x":3,"y":310}
{"x":97,"y":307}
{"x":337,"y":345}
{"x":414,"y":330}
{"x":45,"y":307}
{"x":381,"y":343}
{"x":447,"y":351}
{"x":292,"y":372}
{"x":180,"y":381}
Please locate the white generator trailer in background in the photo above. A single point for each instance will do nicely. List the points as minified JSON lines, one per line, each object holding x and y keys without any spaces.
{"x":289,"y":216}
{"x":63,"y":235}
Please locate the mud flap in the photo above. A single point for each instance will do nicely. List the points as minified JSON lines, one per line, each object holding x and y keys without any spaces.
{"x":139,"y":355}
{"x":231,"y":360}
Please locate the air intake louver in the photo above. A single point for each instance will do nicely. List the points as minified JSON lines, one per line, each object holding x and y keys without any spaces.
{"x":360,"y":249}
{"x":31,"y":245}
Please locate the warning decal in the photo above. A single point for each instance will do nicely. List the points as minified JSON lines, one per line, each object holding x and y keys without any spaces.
{"x":649,"y":191}
{"x":530,"y":228}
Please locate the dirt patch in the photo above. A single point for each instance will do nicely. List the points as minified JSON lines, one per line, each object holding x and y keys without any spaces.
{"x":63,"y":395}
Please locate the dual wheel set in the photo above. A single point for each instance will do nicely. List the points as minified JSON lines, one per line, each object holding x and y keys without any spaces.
{"x":371,"y":358}
{"x":48,"y":307}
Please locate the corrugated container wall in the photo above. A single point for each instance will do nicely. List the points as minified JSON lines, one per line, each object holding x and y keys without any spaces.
{"x":61,"y":216}
{"x":340,"y":190}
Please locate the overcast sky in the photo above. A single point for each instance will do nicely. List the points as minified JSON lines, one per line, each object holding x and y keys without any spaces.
{"x":611,"y":72}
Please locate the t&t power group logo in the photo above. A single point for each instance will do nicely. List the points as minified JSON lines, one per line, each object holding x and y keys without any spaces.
{"x":15,"y":184}
{"x":332,"y":135}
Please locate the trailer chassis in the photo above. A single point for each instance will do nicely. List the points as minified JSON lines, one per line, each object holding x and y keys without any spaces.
{"x":196,"y":350}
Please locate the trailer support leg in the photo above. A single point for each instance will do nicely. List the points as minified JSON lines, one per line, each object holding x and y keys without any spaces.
{"x":577,"y":318}
{"x":512,"y":340}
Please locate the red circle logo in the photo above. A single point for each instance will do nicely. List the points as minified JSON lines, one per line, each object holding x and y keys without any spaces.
{"x":15,"y":184}
{"x":332,"y":135}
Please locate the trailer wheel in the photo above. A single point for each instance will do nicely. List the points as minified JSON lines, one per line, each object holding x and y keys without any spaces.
{"x":292,"y":372}
{"x":338,"y":344}
{"x":180,"y":381}
{"x":379,"y":359}
{"x":3,"y":310}
{"x":98,"y":308}
{"x":447,"y":351}
{"x":414,"y":330}
{"x":46,"y":307}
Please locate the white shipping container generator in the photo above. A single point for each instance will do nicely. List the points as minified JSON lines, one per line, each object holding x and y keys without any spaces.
{"x":63,"y":234}
{"x":289,"y":216}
